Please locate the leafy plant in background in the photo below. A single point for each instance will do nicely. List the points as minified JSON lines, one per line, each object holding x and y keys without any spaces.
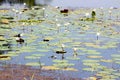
{"x":93,"y":15}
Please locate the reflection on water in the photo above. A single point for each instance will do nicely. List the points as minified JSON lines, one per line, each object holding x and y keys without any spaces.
{"x":17,"y":3}
{"x":66,"y":3}
{"x":28,"y":3}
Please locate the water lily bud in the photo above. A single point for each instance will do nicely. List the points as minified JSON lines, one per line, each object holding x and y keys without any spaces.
{"x":63,"y":45}
{"x":98,"y":33}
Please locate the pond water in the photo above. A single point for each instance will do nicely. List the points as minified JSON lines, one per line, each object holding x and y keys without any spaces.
{"x":65,"y":3}
{"x":86,"y":3}
{"x":87,"y":54}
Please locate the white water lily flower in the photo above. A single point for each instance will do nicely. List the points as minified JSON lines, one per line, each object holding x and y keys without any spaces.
{"x":75,"y":49}
{"x":58,"y":25}
{"x":66,"y":24}
{"x":24,"y":4}
{"x":98,"y":34}
{"x":87,"y":14}
{"x":43,"y":8}
{"x":110,"y":11}
{"x":63,"y":45}
{"x":21,"y":34}
{"x":17,"y":38}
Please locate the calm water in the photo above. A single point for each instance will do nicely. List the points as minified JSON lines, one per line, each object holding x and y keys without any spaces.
{"x":86,"y":3}
{"x":78,"y":3}
{"x":35,"y":44}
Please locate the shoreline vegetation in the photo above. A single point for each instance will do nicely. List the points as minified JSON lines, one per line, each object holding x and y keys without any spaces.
{"x":23,"y":72}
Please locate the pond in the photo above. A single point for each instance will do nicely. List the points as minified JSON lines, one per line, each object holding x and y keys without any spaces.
{"x":68,"y":44}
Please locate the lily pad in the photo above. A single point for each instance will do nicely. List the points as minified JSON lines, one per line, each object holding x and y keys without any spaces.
{"x":62,"y":65}
{"x":90,"y":61}
{"x":91,"y":64}
{"x":94,"y":56}
{"x":89,"y":69}
{"x":107,"y":61}
{"x":11,"y":54}
{"x":73,"y":58}
{"x":2,"y":38}
{"x":32,"y":57}
{"x":50,"y":68}
{"x":60,"y":61}
{"x":4,"y":57}
{"x":34,"y":64}
{"x":70,"y":69}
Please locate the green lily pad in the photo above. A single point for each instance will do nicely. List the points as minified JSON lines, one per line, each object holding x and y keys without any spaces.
{"x":34,"y":64}
{"x":42,"y":50}
{"x":11,"y":54}
{"x":89,"y":69}
{"x":50,"y":68}
{"x":115,"y":55}
{"x":60,"y":61}
{"x":90,"y":61}
{"x":92,"y":52}
{"x":91,"y":64}
{"x":2,"y":38}
{"x":32,"y":57}
{"x":62,"y":65}
{"x":73,"y":58}
{"x":107,"y":61}
{"x":93,"y":56}
{"x":38,"y":55}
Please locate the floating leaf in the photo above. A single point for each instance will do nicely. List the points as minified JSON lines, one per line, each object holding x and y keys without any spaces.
{"x":62,"y":65}
{"x":94,"y":56}
{"x":49,"y":37}
{"x":38,"y":55}
{"x":91,"y":64}
{"x":73,"y":58}
{"x":104,"y":60}
{"x":34,"y":64}
{"x":90,"y":61}
{"x":4,"y":57}
{"x":116,"y":55}
{"x":32,"y":57}
{"x":92,"y":45}
{"x":88,"y":69}
{"x":60,"y":61}
{"x":11,"y":54}
{"x":70,"y":69}
{"x":50,"y":68}
{"x":42,"y":50}
{"x":2,"y":38}
{"x":92,"y":52}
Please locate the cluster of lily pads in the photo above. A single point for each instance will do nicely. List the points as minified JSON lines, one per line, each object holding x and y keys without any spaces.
{"x":91,"y":47}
